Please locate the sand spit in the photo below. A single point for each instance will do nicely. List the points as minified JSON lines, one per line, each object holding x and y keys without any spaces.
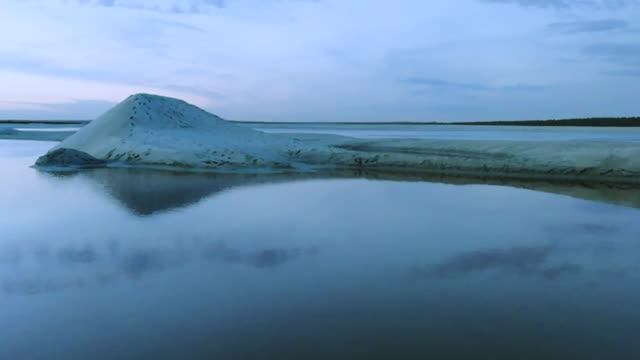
{"x":153,"y":131}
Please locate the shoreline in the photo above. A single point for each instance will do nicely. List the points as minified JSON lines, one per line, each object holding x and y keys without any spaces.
{"x":119,"y":179}
{"x":566,"y":161}
{"x":612,"y":122}
{"x":149,"y":130}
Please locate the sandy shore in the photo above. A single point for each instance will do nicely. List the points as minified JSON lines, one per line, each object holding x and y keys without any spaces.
{"x":152,"y":131}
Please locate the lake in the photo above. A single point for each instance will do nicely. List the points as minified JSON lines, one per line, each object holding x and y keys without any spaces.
{"x":402,"y":131}
{"x":130,"y":264}
{"x":455,"y":132}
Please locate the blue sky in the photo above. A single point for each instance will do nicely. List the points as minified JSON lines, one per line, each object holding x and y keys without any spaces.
{"x":324,"y":60}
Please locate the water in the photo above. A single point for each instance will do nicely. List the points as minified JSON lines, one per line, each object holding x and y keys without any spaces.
{"x":404,"y":131}
{"x":125,"y":264}
{"x":56,"y":128}
{"x":458,"y":132}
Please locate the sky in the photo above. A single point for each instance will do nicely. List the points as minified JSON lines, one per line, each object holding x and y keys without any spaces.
{"x":324,"y":60}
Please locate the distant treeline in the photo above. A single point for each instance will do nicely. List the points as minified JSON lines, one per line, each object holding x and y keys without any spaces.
{"x":45,"y":122}
{"x":599,"y":122}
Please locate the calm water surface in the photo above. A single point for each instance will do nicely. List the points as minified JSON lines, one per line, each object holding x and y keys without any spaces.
{"x":458,"y":132}
{"x":404,"y":131}
{"x":122,"y":264}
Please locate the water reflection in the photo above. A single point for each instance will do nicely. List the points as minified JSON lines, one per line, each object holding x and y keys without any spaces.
{"x":521,"y":260}
{"x":584,"y":229}
{"x":83,"y":255}
{"x":146,"y":192}
{"x":73,"y":266}
{"x":36,"y":286}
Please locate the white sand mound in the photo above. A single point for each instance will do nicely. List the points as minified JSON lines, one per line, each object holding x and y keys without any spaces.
{"x":156,"y":130}
{"x":149,"y":130}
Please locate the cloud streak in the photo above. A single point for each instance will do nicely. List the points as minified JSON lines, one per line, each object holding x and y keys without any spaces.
{"x":626,"y":55}
{"x":589,"y":26}
{"x":566,"y":4}
{"x":422,"y":82}
{"x":175,"y":7}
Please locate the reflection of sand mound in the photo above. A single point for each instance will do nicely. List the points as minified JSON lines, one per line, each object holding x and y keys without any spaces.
{"x":148,"y":130}
{"x":147,"y":192}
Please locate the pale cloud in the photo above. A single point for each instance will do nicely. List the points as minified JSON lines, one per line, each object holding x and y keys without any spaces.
{"x":565,"y":4}
{"x":50,"y":90}
{"x":589,"y":26}
{"x":169,"y":6}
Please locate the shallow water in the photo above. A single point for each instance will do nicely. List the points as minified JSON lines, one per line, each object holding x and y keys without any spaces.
{"x":129,"y":264}
{"x":457,"y":132}
{"x":56,"y":128}
{"x":408,"y":131}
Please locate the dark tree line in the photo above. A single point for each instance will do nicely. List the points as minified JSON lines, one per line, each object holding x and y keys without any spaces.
{"x":597,"y":121}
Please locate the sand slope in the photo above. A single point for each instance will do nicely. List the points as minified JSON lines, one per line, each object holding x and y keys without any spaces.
{"x":155,"y":130}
